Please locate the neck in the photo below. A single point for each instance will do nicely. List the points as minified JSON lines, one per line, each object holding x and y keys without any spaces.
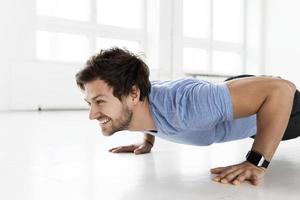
{"x":142,"y":119}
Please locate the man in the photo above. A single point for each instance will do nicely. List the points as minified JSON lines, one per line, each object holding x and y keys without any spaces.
{"x":190,"y":111}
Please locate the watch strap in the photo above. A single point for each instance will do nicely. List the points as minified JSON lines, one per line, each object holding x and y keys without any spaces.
{"x":257,"y":159}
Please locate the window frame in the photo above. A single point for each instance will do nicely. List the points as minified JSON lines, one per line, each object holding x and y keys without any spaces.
{"x":91,"y":29}
{"x":209,"y":44}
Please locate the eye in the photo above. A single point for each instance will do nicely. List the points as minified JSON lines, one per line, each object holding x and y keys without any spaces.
{"x":99,"y":102}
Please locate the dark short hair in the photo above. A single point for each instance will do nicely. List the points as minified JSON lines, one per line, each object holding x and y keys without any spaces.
{"x":120,"y":69}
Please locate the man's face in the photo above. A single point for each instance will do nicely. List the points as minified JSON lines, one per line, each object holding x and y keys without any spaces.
{"x":112,"y":114}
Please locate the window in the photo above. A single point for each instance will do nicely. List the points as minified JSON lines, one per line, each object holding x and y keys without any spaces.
{"x":72,"y":30}
{"x":227,"y":20}
{"x":196,"y":18}
{"x":68,"y":9}
{"x":226,"y":63}
{"x":120,"y":13}
{"x":103,"y":43}
{"x":213,"y":36}
{"x":195,"y":57}
{"x":61,"y":46}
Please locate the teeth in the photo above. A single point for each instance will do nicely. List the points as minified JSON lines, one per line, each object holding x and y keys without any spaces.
{"x":104,"y":120}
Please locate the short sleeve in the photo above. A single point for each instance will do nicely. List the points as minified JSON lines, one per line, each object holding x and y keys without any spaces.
{"x":203,"y":105}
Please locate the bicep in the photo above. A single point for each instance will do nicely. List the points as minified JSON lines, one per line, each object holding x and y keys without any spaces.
{"x":249,"y":94}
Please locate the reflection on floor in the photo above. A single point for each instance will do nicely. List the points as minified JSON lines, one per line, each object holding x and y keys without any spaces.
{"x":62,"y":155}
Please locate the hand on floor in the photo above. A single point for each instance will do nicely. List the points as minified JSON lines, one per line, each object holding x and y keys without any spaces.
{"x":236,"y":174}
{"x":134,"y":148}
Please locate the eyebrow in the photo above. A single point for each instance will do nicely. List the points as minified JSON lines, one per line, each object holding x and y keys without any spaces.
{"x":100,"y":95}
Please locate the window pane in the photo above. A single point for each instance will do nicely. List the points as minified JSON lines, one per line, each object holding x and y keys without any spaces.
{"x":228,"y":18}
{"x":226,"y":63}
{"x":61,"y":47}
{"x":195,"y":60}
{"x":69,"y":9}
{"x":104,"y":43}
{"x":124,"y":13}
{"x":196,"y":18}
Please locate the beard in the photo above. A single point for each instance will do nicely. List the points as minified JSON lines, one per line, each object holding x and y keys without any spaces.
{"x":119,"y":124}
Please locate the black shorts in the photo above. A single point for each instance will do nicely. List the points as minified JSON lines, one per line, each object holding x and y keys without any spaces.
{"x":293,"y":129}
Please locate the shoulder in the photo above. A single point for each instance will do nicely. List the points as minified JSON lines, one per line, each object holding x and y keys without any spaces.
{"x":249,"y":94}
{"x":188,"y":81}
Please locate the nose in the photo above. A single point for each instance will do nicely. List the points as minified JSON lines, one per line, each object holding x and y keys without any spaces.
{"x":94,"y":112}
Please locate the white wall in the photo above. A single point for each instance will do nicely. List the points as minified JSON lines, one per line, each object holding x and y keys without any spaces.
{"x":16,"y":39}
{"x":27,"y":83}
{"x":273,"y":52}
{"x":283,"y":39}
{"x":254,"y":37}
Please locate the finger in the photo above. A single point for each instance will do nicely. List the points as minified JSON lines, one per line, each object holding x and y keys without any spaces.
{"x":232,"y":175}
{"x":256,"y":182}
{"x":217,"y":170}
{"x":224,"y":171}
{"x":110,"y":150}
{"x":256,"y":178}
{"x":121,"y":147}
{"x":227,"y":171}
{"x":143,"y":149}
{"x":139,"y":150}
{"x":241,"y":178}
{"x":124,"y":149}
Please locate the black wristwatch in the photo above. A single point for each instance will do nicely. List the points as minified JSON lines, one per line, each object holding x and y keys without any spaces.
{"x":257,"y":159}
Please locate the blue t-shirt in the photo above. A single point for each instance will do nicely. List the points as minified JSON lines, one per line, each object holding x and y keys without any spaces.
{"x":196,"y":112}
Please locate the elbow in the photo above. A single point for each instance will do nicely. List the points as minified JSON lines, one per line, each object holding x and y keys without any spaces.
{"x":293,"y":87}
{"x":286,"y":87}
{"x":290,"y":86}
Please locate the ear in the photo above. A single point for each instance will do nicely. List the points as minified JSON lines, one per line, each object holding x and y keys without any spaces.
{"x":135,"y":94}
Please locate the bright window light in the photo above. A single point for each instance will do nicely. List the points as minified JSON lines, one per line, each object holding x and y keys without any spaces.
{"x":226,"y":63}
{"x":104,"y":43}
{"x":61,"y":47}
{"x":123,"y":13}
{"x":228,"y":19}
{"x":196,"y":18}
{"x":195,"y":60}
{"x":68,"y":9}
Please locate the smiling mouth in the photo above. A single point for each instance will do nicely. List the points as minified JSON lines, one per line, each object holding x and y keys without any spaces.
{"x":104,"y":121}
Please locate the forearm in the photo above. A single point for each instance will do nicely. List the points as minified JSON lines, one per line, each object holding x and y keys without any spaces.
{"x":150,"y":138}
{"x":272,"y":120}
{"x":271,"y":100}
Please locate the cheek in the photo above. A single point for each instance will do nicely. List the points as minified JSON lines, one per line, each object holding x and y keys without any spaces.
{"x":112,"y":111}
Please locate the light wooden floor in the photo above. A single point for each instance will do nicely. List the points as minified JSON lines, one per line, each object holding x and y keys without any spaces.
{"x":62,"y":155}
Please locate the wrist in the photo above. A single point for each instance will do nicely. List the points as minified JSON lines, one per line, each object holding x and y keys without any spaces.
{"x":148,"y":142}
{"x":257,"y":159}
